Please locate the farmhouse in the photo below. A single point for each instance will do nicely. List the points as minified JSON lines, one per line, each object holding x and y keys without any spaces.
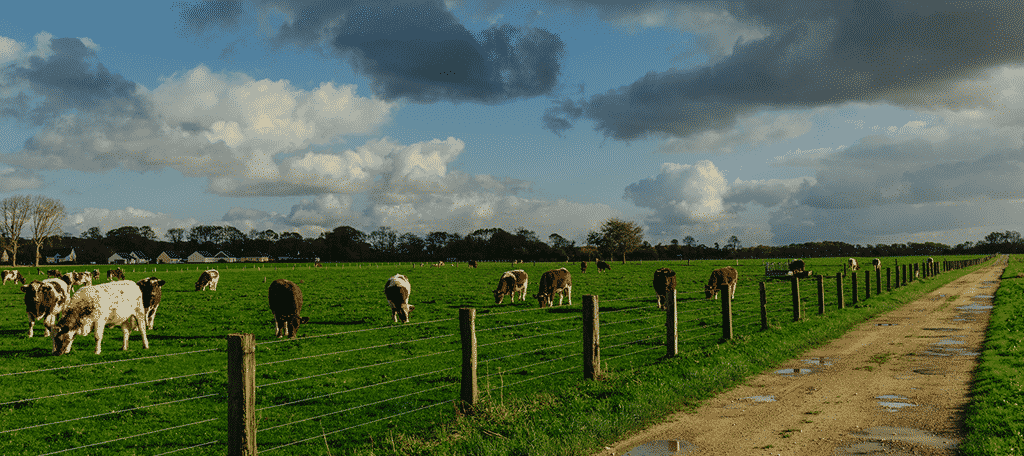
{"x":133,"y":257}
{"x":254,"y":257}
{"x":170,"y":257}
{"x":61,"y":256}
{"x":201,"y":256}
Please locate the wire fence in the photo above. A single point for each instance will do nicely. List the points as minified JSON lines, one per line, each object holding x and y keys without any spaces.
{"x":306,"y":390}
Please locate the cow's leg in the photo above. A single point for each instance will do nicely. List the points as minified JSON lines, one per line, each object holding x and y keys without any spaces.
{"x":277,"y":327}
{"x":568,"y":290}
{"x":140,"y":318}
{"x":150,"y":316}
{"x":31,"y":323}
{"x":99,"y":336}
{"x":125,"y":332}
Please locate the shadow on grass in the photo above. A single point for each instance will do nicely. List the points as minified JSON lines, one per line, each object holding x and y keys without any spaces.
{"x":30,"y":353}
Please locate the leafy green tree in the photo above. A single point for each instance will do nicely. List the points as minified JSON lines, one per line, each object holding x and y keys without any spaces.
{"x":620,"y":237}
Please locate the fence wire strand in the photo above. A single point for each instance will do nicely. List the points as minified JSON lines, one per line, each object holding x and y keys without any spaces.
{"x":108,"y":387}
{"x":526,"y":337}
{"x":503,"y":386}
{"x":527,"y":323}
{"x":355,"y":368}
{"x":110,"y":413}
{"x":355,"y":349}
{"x":130,"y":437}
{"x":632,"y":331}
{"x":357,"y":331}
{"x":189,"y":448}
{"x":536,"y":364}
{"x":111,"y":362}
{"x":354,"y":389}
{"x":531,"y":351}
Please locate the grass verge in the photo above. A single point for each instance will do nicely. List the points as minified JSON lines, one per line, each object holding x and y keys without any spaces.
{"x":995,"y":417}
{"x":580,"y":417}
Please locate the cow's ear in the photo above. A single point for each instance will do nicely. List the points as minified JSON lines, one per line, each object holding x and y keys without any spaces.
{"x":25,"y":288}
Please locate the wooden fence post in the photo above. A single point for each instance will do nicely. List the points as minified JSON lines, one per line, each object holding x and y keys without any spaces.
{"x":469,"y":393}
{"x":726,"y":312}
{"x":904,"y":282}
{"x":839,"y":290}
{"x":821,"y":294}
{"x":853,"y":286}
{"x":764,"y":307}
{"x":591,"y":338}
{"x":867,"y":284}
{"x":241,"y":395}
{"x":795,"y":287}
{"x":888,"y":280}
{"x":671,"y":325}
{"x":878,"y":281}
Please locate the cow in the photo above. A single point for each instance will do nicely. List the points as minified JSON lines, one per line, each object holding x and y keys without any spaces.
{"x":44,"y":300}
{"x":664,"y":280}
{"x":510,"y":283}
{"x":796,"y":266}
{"x":13,"y":275}
{"x":208,"y":278}
{"x":77,"y":278}
{"x":285,"y":299}
{"x":719,"y":277}
{"x":117,"y":273}
{"x":472,"y":264}
{"x":397,"y":290}
{"x":95,"y":274}
{"x":151,"y":294}
{"x":602,"y":266}
{"x":853,"y":264}
{"x":555,"y":281}
{"x":53,"y":273}
{"x":583,"y":267}
{"x":96,"y":306}
{"x":877,"y":264}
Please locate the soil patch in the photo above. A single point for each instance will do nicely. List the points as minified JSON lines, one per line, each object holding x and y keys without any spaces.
{"x":883,"y":388}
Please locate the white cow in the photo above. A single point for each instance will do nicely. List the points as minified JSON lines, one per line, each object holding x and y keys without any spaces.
{"x":397,"y":290}
{"x":208,"y":278}
{"x":44,"y":300}
{"x":853,"y":264}
{"x":96,"y":306}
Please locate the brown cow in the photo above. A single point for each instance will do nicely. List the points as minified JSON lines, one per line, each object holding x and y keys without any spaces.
{"x":602,"y":266}
{"x":397,"y":290}
{"x":583,"y":266}
{"x":286,"y":303}
{"x":664,"y":281}
{"x":719,"y":277}
{"x":555,"y":281}
{"x":510,"y":283}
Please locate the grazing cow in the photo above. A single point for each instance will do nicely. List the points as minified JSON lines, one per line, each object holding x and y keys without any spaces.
{"x":151,"y":294}
{"x":208,"y":278}
{"x":95,"y":273}
{"x":397,"y":290}
{"x":583,"y":266}
{"x":719,"y":277}
{"x":930,"y":260}
{"x":796,"y":266}
{"x":853,"y":264}
{"x":555,"y":281}
{"x":14,"y":275}
{"x":664,"y":280}
{"x":877,"y":264}
{"x":44,"y":300}
{"x":602,"y":266}
{"x":53,"y":273}
{"x":117,"y":273}
{"x":510,"y":283}
{"x":97,"y":306}
{"x":77,"y":278}
{"x":472,"y":264}
{"x":286,"y":304}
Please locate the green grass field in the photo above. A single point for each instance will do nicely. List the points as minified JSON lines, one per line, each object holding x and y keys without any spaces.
{"x":356,"y":383}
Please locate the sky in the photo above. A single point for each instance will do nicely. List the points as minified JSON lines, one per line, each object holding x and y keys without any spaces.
{"x":864,"y":122}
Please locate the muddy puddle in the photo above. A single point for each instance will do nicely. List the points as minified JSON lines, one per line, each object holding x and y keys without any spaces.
{"x":795,"y":372}
{"x":820,"y":361}
{"x":892,"y":402}
{"x":761,"y":398}
{"x":662,"y":448}
{"x":907,"y":435}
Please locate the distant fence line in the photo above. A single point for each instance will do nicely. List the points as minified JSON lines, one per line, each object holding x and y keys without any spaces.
{"x":662,"y":334}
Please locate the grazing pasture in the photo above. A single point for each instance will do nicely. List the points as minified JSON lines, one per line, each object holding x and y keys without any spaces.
{"x":354,"y":382}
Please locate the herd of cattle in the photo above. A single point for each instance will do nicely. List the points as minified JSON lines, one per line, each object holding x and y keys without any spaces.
{"x":133,"y":305}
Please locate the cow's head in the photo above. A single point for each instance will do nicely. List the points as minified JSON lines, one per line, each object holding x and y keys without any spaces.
{"x":498,"y":296}
{"x":292,"y":323}
{"x":543,"y":299}
{"x":403,"y":310}
{"x":77,"y":321}
{"x":710,"y":292}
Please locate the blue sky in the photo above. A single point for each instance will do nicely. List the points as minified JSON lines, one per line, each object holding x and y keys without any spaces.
{"x":863,"y":122}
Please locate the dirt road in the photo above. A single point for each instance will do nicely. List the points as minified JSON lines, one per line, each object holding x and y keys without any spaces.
{"x":896,"y":385}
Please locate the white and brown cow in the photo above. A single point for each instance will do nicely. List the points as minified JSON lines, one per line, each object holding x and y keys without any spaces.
{"x":510,"y":283}
{"x":77,"y":278}
{"x":151,"y":295}
{"x":95,"y":307}
{"x":14,"y":275}
{"x":583,"y":267}
{"x":877,"y":264}
{"x":720,"y":277}
{"x":117,"y":273}
{"x":664,"y":281}
{"x":797,"y":266}
{"x":44,"y":300}
{"x":853,"y":264}
{"x":286,"y":303}
{"x":602,"y":266}
{"x":397,"y":290}
{"x":53,"y":273}
{"x":555,"y":281}
{"x":208,"y":278}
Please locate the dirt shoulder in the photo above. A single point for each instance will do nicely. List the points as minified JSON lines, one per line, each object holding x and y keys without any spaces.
{"x":896,"y":384}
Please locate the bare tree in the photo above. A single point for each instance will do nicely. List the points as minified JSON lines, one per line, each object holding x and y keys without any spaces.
{"x":14,"y":213}
{"x":47,"y":221}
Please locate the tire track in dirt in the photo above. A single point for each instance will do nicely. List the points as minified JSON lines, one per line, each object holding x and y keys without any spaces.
{"x":896,"y":384}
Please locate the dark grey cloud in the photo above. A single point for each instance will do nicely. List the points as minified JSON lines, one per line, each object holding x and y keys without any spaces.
{"x":816,"y":53}
{"x":417,"y":50}
{"x":71,"y":78}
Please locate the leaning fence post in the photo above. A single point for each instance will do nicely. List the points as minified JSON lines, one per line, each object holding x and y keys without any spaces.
{"x":726,"y":312}
{"x":241,"y":395}
{"x":821,"y":294}
{"x":671,"y":325}
{"x":878,"y":281}
{"x":796,"y":298}
{"x":591,"y":338}
{"x":888,"y":280}
{"x":867,"y":284}
{"x":853,"y":287}
{"x":469,"y":393}
{"x":839,"y":290}
{"x":764,"y":308}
